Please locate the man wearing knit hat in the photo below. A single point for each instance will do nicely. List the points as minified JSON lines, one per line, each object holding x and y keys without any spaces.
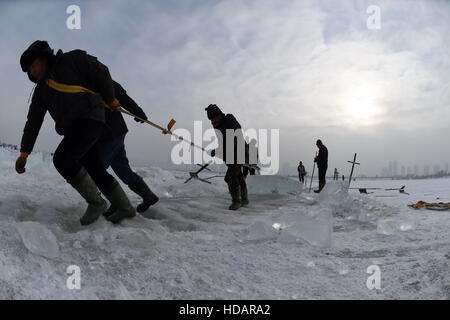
{"x":234,"y":176}
{"x":74,"y":88}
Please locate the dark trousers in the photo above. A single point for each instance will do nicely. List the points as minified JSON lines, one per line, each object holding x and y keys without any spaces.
{"x":234,"y":177}
{"x":322,"y":174}
{"x":112,"y":153}
{"x":301,"y":178}
{"x":78,"y":149}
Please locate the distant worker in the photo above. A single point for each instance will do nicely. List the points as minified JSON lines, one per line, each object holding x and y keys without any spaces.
{"x":301,"y":172}
{"x":322,"y":164}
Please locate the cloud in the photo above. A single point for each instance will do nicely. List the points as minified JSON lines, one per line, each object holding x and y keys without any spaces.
{"x":310,"y":68}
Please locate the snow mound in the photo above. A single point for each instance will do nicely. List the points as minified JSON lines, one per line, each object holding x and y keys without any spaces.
{"x":272,"y":184}
{"x":38,"y":239}
{"x":197,"y":188}
{"x":156,"y":174}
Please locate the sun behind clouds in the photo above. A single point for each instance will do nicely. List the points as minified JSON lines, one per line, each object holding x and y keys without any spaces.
{"x":361,"y":105}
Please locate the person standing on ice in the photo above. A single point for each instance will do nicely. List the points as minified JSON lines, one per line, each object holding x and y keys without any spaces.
{"x":322,"y":164}
{"x":234,"y":176}
{"x":301,"y":172}
{"x":113,"y":154}
{"x":66,"y":87}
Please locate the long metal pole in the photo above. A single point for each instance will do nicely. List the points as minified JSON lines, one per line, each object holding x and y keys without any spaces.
{"x":169,"y":131}
{"x":312,"y":175}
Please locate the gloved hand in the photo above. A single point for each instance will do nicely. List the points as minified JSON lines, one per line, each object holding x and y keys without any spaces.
{"x":141,"y":114}
{"x":21,"y":163}
{"x":212,"y":153}
{"x":115,"y":105}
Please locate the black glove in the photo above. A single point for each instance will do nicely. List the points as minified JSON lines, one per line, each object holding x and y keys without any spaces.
{"x":212,"y":153}
{"x":141,"y":114}
{"x":21,"y":162}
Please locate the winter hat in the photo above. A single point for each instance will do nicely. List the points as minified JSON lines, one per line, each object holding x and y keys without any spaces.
{"x":319,"y":142}
{"x":38,"y":49}
{"x":213,"y":111}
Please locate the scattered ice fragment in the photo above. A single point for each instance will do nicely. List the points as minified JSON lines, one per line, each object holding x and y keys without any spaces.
{"x":261,"y":231}
{"x":38,"y":239}
{"x":273,"y":185}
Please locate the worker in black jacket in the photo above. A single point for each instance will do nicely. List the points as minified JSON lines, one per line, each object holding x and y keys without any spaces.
{"x":322,"y":164}
{"x":113,"y":154}
{"x":234,"y":176}
{"x":74,"y":88}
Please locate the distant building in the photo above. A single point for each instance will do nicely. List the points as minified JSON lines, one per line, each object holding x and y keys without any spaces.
{"x":426,"y":170}
{"x":394,"y":168}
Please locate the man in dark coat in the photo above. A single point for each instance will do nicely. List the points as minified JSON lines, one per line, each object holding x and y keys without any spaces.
{"x":234,"y":176}
{"x":113,"y":154}
{"x":322,"y":164}
{"x":74,"y":88}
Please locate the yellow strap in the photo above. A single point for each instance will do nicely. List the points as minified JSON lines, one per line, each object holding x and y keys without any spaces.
{"x":69,"y":88}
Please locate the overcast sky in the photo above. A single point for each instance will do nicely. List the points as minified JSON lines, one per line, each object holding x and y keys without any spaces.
{"x":312,"y":69}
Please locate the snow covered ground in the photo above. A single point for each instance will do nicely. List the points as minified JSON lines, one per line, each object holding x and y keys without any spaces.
{"x":287,"y":244}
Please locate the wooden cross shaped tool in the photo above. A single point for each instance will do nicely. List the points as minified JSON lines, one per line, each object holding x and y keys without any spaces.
{"x":353,"y":167}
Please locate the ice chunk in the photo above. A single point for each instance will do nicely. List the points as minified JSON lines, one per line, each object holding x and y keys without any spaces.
{"x":392,"y":226}
{"x":272,"y":184}
{"x":306,"y":199}
{"x":386,"y":227}
{"x":261,"y":231}
{"x":38,"y":239}
{"x":335,"y":196}
{"x":406,"y":226}
{"x":343,"y":270}
{"x":316,"y":228}
{"x":334,"y":192}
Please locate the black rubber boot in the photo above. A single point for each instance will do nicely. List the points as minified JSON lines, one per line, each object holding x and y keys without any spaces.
{"x":236,"y":199}
{"x":321,"y":185}
{"x":119,"y":200}
{"x":244,"y":195}
{"x":86,"y":187}
{"x":148,"y":197}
